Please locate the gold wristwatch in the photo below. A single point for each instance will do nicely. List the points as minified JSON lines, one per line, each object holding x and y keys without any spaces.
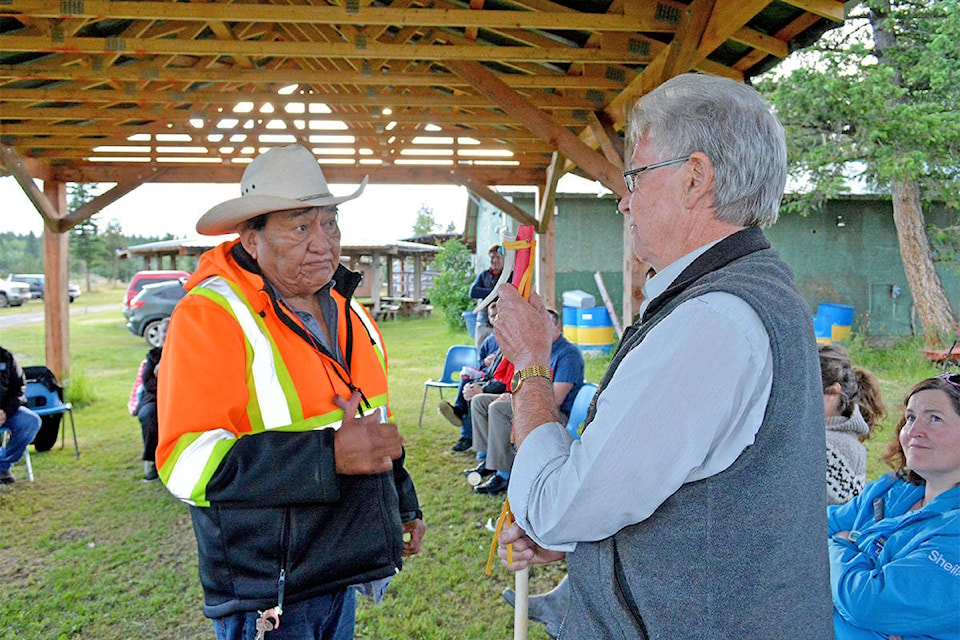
{"x":536,"y":371}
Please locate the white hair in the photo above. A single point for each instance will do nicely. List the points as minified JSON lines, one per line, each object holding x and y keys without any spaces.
{"x":734,"y":126}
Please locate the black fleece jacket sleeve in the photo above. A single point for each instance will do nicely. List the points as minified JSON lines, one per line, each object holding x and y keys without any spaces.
{"x":12,"y":383}
{"x":273,"y":469}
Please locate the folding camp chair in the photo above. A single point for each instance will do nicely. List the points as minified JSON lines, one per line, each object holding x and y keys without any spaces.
{"x":45,"y":398}
{"x":458,"y":356}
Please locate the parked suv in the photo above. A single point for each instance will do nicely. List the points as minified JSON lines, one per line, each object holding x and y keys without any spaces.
{"x":149,"y":308}
{"x":141,"y":278}
{"x":36,"y":284}
{"x":13,"y":294}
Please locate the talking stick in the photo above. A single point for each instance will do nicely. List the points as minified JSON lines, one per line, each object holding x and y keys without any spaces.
{"x":522,"y":252}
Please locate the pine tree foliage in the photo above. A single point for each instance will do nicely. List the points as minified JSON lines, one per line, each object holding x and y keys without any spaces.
{"x":879,"y":102}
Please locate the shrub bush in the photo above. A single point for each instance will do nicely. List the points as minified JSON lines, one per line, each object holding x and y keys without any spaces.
{"x":79,"y":391}
{"x":451,"y":286}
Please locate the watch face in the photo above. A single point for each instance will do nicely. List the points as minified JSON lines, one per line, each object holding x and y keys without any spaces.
{"x":515,"y":383}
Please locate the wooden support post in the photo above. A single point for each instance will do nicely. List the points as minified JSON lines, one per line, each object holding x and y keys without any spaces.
{"x":55,"y":302}
{"x":546,"y":271}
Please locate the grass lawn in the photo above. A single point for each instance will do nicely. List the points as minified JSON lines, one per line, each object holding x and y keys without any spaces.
{"x":90,"y":551}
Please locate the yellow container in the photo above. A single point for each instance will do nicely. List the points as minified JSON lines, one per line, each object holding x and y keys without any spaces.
{"x":840,"y":333}
{"x":595,"y":335}
{"x":570,"y":332}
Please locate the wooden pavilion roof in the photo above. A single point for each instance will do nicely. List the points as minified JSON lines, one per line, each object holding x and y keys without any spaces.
{"x":474,"y":92}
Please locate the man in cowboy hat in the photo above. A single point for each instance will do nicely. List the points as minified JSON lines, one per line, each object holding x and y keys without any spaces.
{"x":273,"y":408}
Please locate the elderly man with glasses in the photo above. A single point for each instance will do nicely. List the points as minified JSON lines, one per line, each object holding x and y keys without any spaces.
{"x":273,"y":409}
{"x":688,"y":508}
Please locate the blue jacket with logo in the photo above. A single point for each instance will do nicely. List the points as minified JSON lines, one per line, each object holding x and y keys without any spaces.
{"x":901,"y":575}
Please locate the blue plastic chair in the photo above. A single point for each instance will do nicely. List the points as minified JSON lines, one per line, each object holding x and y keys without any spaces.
{"x":4,"y":436}
{"x":46,"y":402}
{"x":458,"y":356}
{"x":578,"y":412}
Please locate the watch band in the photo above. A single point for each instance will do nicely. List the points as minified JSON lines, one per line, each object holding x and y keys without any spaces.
{"x":536,"y":371}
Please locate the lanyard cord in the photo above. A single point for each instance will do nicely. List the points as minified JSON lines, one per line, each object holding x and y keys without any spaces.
{"x":284,"y":313}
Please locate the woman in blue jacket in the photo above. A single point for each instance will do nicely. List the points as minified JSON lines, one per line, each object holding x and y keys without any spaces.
{"x":895,"y":548}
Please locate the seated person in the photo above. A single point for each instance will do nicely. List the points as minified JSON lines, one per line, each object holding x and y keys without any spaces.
{"x":492,"y":414}
{"x":458,"y":413}
{"x":853,"y":408}
{"x":147,"y":408}
{"x":895,"y":548}
{"x":22,"y":423}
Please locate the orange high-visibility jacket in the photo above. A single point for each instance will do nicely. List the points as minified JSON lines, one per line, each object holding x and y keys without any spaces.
{"x":246,"y":412}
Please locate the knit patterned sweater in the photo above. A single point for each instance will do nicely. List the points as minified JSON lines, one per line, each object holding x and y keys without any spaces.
{"x":846,"y":457}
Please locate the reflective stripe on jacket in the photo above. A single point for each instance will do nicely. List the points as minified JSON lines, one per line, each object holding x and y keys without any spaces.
{"x":272,"y":397}
{"x":247,"y":424}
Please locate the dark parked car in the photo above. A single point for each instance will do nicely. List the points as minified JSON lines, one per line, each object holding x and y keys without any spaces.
{"x":36,"y":282}
{"x":149,"y":307}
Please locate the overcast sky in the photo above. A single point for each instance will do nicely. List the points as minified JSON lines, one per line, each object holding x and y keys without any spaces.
{"x":381,"y":214}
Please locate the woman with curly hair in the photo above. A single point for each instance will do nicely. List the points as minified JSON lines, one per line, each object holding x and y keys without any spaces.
{"x":895,"y":548}
{"x":854,"y":408}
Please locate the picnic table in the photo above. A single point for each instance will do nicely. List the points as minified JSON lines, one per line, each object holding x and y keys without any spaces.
{"x":407,"y":307}
{"x":943,"y":355}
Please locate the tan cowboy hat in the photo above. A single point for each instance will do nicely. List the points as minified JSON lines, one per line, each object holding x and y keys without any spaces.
{"x":278,"y":180}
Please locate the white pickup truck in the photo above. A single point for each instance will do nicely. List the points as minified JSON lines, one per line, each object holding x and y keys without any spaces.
{"x":13,"y":294}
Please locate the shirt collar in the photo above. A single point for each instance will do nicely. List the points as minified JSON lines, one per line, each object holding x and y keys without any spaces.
{"x":665,"y":277}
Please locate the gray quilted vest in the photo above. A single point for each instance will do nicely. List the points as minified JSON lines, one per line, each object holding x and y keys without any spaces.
{"x":741,"y":555}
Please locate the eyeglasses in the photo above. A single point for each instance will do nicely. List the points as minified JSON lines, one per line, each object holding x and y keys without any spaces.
{"x":631,"y":180}
{"x":951,"y":378}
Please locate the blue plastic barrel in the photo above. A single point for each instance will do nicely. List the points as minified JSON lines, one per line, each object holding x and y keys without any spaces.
{"x":569,"y":323}
{"x":839,"y":314}
{"x":470,"y":319}
{"x":594,"y":328}
{"x":821,"y":326}
{"x":595,"y":317}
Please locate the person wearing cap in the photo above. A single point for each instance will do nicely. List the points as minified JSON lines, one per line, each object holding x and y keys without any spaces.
{"x":274,"y":407}
{"x":482,"y":285}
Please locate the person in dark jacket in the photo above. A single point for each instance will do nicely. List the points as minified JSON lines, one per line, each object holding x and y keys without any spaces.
{"x":22,"y":423}
{"x":484,"y":283}
{"x":147,"y":408}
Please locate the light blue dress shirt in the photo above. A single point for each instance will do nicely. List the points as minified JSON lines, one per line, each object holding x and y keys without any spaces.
{"x":682,"y":406}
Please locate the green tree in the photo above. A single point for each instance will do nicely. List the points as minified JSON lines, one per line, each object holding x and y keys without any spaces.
{"x":880,"y":102}
{"x":426,"y":222}
{"x":85,"y":242}
{"x":451,"y":286}
{"x":113,"y":240}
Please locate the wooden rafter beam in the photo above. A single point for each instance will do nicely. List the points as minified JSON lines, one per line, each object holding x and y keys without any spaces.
{"x":110,"y":196}
{"x":311,"y":50}
{"x":13,"y":165}
{"x":328,"y":15}
{"x":148,"y":71}
{"x":608,"y":140}
{"x":144,"y":97}
{"x":682,"y":52}
{"x":829,"y":9}
{"x":481,"y":190}
{"x":537,"y":121}
{"x":335,"y":174}
{"x":548,"y":202}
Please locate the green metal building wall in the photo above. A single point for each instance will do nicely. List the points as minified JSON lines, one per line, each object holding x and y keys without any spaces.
{"x":847,"y":253}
